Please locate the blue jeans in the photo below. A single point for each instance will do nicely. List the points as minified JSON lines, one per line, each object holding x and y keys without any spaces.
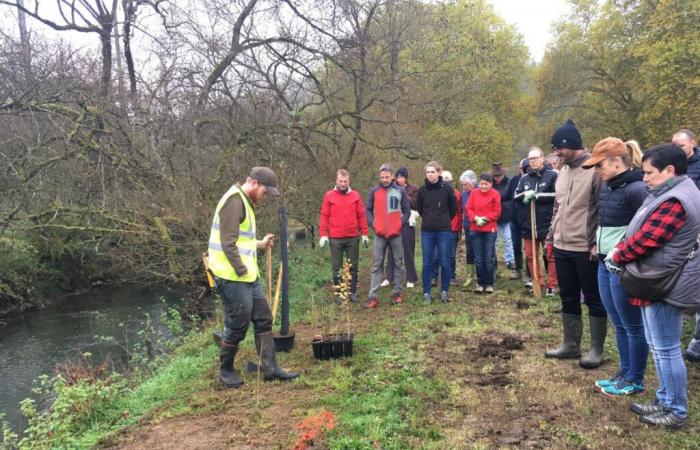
{"x":484,"y":244}
{"x":663,"y":326}
{"x":453,"y":258}
{"x":430,"y":241}
{"x":629,"y":327}
{"x":503,"y":234}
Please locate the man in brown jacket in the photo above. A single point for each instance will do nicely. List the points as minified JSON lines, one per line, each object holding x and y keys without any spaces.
{"x":572,"y":239}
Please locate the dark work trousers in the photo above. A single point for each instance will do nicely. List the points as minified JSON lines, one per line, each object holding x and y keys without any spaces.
{"x":576,"y":273}
{"x":243,"y":302}
{"x":517,"y":238}
{"x":408,"y":239}
{"x":350,"y":249}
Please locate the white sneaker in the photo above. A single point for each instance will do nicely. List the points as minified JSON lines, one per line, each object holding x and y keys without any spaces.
{"x":385,"y":283}
{"x":489,"y":289}
{"x":410,"y":285}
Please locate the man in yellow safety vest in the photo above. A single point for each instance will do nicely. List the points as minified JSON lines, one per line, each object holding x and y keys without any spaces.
{"x":234,"y":263}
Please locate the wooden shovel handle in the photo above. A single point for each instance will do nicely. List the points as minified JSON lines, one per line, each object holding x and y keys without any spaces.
{"x":535,"y":260}
{"x":277,"y":294}
{"x":268,"y":272}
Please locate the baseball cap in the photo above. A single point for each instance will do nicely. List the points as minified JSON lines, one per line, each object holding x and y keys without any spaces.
{"x":266,"y":177}
{"x":606,"y":148}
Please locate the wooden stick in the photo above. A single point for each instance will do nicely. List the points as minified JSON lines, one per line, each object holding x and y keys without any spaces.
{"x":268,"y":272}
{"x":277,"y":294}
{"x":535,"y":260}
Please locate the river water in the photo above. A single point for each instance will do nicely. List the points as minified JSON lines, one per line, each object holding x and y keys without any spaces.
{"x":33,"y":343}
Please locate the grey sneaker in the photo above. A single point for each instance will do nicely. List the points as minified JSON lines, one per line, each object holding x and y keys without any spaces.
{"x":479,"y":289}
{"x":489,"y":289}
{"x":427,"y":298}
{"x":666,"y":420}
{"x":443,"y":297}
{"x":646,"y":409}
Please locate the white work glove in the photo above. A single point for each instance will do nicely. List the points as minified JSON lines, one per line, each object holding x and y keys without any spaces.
{"x":528,"y":196}
{"x":323,"y":241}
{"x":365,"y":241}
{"x":480,"y":221}
{"x":412,"y":218}
{"x":610,"y":263}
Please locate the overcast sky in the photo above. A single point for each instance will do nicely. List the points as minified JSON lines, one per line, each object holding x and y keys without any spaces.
{"x":534,"y":19}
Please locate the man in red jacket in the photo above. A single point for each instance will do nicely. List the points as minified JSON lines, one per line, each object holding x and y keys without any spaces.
{"x":387,"y":211}
{"x":342,"y":220}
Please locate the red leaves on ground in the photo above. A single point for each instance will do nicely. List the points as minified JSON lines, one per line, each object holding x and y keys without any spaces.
{"x":311,"y":428}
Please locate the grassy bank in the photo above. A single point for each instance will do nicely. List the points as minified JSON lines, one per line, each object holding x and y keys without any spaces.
{"x":469,"y":374}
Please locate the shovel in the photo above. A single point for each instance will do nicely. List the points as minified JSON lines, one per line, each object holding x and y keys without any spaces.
{"x":535,"y":260}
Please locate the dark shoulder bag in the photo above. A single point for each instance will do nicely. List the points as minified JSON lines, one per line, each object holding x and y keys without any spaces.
{"x":652,"y":283}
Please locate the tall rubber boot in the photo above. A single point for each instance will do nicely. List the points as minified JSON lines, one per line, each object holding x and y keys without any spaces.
{"x":266,"y":349}
{"x":469,"y":279}
{"x":571,"y":345}
{"x":227,"y":375}
{"x":599,"y":328}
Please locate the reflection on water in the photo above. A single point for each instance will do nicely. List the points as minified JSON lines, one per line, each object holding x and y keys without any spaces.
{"x":32,"y":344}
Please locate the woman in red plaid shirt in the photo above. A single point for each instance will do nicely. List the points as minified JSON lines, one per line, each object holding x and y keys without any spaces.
{"x":663,"y":233}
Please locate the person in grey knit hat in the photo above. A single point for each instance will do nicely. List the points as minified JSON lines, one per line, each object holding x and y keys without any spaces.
{"x":468,"y":182}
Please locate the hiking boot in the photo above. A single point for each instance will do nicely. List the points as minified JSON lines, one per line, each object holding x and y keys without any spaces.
{"x":570,"y":347}
{"x":665,"y":419}
{"x":265,"y":346}
{"x":488,"y":289}
{"x":623,"y":387}
{"x":227,"y":374}
{"x":427,"y":298}
{"x":384,"y":283}
{"x":609,"y":381}
{"x":396,"y":299}
{"x":690,"y":357}
{"x":479,"y":289}
{"x":443,"y":297}
{"x":599,"y":328}
{"x":550,"y":292}
{"x":372,"y":303}
{"x":647,"y":409}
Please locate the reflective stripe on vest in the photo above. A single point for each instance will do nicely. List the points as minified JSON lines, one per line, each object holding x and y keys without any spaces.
{"x":246,"y":243}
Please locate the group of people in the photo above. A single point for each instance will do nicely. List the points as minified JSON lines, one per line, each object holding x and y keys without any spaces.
{"x":591,"y":214}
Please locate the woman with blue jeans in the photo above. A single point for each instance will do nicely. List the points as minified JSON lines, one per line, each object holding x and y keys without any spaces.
{"x":437,"y":205}
{"x":621,"y":195}
{"x":663,"y":234}
{"x":483,"y":210}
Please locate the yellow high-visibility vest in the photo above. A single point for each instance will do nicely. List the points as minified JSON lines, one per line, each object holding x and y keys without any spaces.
{"x":246,"y":243}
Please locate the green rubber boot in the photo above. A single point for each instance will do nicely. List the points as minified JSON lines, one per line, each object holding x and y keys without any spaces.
{"x":594,"y":358}
{"x":571,"y":344}
{"x":469,"y":279}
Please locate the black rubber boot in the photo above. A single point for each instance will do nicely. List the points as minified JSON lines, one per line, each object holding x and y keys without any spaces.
{"x":594,"y":358}
{"x":266,"y":349}
{"x":571,"y":345}
{"x":226,"y":372}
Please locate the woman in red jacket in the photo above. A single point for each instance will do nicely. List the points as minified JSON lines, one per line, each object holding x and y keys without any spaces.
{"x":483,"y":209}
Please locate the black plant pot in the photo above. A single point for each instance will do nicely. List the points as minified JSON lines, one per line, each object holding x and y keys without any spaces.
{"x":332,"y":346}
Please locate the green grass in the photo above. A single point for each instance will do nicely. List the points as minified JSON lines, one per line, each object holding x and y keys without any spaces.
{"x":382,"y":397}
